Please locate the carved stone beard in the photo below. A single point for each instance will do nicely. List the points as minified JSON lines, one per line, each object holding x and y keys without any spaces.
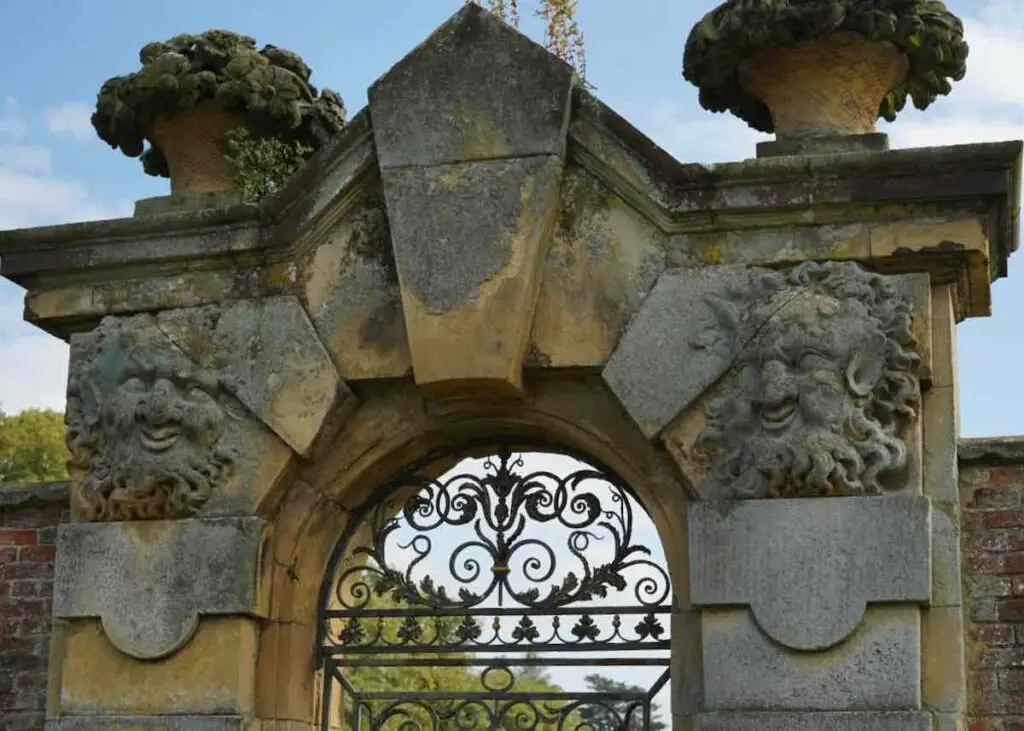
{"x":807,"y":461}
{"x":156,"y":462}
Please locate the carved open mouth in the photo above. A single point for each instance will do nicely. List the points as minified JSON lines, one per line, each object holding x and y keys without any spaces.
{"x":778,"y":417}
{"x":157,"y":439}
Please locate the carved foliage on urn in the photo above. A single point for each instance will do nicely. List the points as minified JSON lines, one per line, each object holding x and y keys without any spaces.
{"x":822,"y":388}
{"x":145,"y":426}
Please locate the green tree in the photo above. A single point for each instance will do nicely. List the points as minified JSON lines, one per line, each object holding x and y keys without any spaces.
{"x":32,"y":447}
{"x":599,"y":719}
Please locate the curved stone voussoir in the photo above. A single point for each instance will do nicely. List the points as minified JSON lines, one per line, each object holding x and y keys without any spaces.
{"x":149,"y":583}
{"x":268,"y":355}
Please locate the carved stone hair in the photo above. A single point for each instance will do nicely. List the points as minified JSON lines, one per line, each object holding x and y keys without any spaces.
{"x":870,"y":446}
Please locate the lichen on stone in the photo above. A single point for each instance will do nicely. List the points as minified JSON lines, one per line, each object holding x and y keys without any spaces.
{"x":929,"y":35}
{"x":268,"y":88}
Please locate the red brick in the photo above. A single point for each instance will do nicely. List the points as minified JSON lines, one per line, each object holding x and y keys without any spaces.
{"x":10,"y":537}
{"x":996,"y":563}
{"x":985,"y":498}
{"x":1010,"y":610}
{"x":37,"y":554}
{"x":1013,"y":517}
{"x":1006,"y":475}
{"x":1003,"y":657}
{"x":993,"y":635}
{"x":25,"y":570}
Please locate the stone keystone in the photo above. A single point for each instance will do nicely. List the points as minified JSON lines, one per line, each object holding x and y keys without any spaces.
{"x":470,"y":131}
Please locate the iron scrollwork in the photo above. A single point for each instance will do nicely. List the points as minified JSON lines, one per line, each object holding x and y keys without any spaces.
{"x":505,"y":605}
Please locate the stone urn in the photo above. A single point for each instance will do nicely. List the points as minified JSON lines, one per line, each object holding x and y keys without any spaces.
{"x":819,"y":73}
{"x":177,"y":111}
{"x":195,"y":146}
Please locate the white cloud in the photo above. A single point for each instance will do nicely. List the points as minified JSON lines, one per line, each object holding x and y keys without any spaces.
{"x":30,"y":195}
{"x":12,"y":127}
{"x":27,"y":158}
{"x":70,"y":120}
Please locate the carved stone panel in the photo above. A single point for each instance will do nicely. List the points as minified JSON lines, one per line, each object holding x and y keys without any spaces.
{"x":153,"y":435}
{"x":795,"y":383}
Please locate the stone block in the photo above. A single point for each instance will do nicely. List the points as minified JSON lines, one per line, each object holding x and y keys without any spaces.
{"x":267,"y":353}
{"x":284,"y":649}
{"x":474,"y":90}
{"x":469,"y":264}
{"x":944,"y":683}
{"x":148,"y":723}
{"x":946,"y":577}
{"x":214,"y":674}
{"x":659,"y":366}
{"x":871,"y":142}
{"x":603,"y":260}
{"x":808,"y":568}
{"x":150,"y":581}
{"x":813,"y":722}
{"x":349,"y":285}
{"x":878,"y":668}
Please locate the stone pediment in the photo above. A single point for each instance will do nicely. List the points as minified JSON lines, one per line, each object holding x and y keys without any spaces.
{"x":505,"y":217}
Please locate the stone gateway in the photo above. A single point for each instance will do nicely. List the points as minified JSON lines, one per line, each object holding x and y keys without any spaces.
{"x":759,"y":353}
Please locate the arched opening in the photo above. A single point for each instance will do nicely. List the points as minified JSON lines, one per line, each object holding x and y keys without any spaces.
{"x":497,"y":586}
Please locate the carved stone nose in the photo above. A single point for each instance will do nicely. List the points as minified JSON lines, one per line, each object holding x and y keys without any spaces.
{"x":159,"y":401}
{"x":777,"y":385}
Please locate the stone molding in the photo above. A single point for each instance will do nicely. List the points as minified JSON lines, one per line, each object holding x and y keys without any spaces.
{"x":150,"y":582}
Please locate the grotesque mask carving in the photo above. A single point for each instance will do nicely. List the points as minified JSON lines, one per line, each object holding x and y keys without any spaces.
{"x":820,"y":394}
{"x":145,"y":427}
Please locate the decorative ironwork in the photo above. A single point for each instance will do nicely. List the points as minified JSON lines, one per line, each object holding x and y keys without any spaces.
{"x":537,"y":564}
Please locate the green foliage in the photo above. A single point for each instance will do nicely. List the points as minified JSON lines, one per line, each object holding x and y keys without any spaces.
{"x":268,"y":88}
{"x":931,"y":37}
{"x":32,"y":447}
{"x":600,"y":720}
{"x":263,"y":165}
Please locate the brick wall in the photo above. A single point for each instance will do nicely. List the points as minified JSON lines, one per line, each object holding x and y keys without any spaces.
{"x":992,"y":499}
{"x":28,"y":528}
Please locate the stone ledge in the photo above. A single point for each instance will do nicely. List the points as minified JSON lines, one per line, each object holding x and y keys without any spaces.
{"x":146,"y":723}
{"x":991,"y":451}
{"x":812,"y":722}
{"x":35,"y":495}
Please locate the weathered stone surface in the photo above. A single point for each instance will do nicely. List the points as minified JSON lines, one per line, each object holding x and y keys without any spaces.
{"x":822,"y":384}
{"x":469,"y":263}
{"x":153,"y":435}
{"x":944,"y":682}
{"x":603,"y":261}
{"x":661,"y":364}
{"x":823,"y":394}
{"x":148,"y":723}
{"x":876,"y":669}
{"x":813,"y":722}
{"x":474,"y":90}
{"x":809,"y":568}
{"x":268,"y":355}
{"x":992,"y":451}
{"x":868,"y":142}
{"x":149,"y":582}
{"x":349,"y":284}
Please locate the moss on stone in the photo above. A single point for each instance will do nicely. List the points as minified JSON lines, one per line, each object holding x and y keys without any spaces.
{"x":931,"y":37}
{"x":268,"y":88}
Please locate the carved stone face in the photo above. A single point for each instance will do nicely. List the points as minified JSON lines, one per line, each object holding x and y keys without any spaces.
{"x":812,"y":410}
{"x":152,"y":446}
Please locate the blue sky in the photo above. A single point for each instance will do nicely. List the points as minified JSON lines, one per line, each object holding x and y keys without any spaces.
{"x":53,"y":169}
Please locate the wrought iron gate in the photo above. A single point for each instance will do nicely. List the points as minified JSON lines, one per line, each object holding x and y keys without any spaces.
{"x":402,"y":651}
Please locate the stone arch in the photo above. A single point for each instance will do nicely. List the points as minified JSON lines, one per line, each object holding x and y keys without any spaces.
{"x":577,"y":414}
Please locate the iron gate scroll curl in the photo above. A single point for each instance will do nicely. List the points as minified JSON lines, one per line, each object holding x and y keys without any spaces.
{"x":543,"y":573}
